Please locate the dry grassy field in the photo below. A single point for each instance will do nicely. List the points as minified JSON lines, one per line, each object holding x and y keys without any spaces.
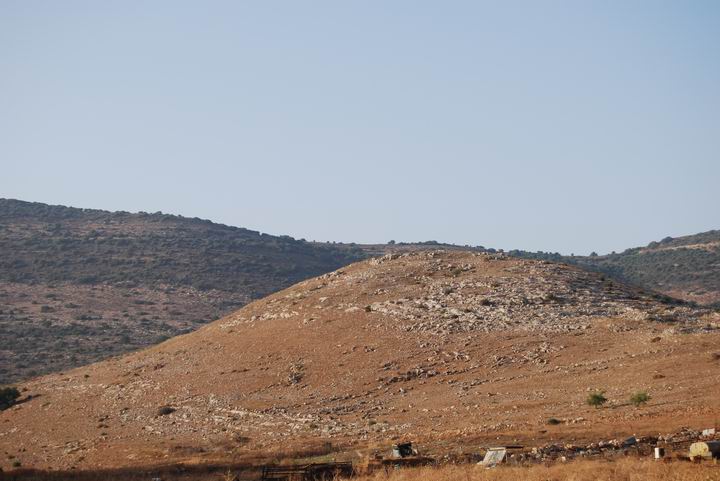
{"x":622,"y":470}
{"x":627,"y":469}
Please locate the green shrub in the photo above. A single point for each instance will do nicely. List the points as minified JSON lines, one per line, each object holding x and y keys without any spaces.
{"x":596,"y":399}
{"x":640,"y":398}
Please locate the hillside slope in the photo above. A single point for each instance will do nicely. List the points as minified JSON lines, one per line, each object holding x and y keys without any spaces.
{"x":78,"y":285}
{"x":686,"y":267}
{"x":438,"y":347}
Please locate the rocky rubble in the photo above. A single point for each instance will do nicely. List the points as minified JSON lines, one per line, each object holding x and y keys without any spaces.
{"x":461,"y":292}
{"x":544,"y":297}
{"x":643,"y":445}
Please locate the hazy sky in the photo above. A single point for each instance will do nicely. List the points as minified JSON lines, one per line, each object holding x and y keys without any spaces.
{"x":567,"y":126}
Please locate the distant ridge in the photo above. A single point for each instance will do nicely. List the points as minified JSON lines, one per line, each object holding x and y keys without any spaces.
{"x":44,"y":243}
{"x":79,"y":285}
{"x":685,"y":267}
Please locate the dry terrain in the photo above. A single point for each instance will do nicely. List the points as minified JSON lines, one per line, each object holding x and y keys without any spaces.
{"x":54,"y":327}
{"x":624,"y":470}
{"x":454,"y":350}
{"x":685,"y":267}
{"x":80,"y":285}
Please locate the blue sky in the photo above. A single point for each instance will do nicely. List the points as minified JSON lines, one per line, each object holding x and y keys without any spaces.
{"x":567,"y":126}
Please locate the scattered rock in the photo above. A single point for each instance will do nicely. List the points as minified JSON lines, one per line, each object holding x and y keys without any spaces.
{"x":165,"y":410}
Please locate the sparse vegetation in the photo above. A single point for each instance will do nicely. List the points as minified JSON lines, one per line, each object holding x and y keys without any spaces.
{"x":229,"y":475}
{"x":96,"y":247}
{"x":118,"y":260}
{"x":596,"y":399}
{"x":640,"y":398}
{"x":673,"y":266}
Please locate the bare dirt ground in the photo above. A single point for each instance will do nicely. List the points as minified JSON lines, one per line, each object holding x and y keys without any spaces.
{"x":451,"y":350}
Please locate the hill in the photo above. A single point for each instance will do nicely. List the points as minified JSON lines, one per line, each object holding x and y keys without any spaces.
{"x":78,"y":285}
{"x":444,"y":348}
{"x":686,"y":267}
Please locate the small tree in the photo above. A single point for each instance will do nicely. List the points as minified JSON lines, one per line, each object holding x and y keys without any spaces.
{"x":640,"y":398}
{"x":8,"y":395}
{"x":597,"y":399}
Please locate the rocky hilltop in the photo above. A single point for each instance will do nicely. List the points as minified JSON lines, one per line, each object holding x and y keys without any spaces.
{"x":439,"y":347}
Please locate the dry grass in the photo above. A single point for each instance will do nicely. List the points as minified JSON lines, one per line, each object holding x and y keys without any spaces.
{"x":621,"y":470}
{"x":618,"y":470}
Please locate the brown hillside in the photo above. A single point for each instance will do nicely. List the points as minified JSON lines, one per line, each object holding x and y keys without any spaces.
{"x":80,"y":285}
{"x":438,"y":347}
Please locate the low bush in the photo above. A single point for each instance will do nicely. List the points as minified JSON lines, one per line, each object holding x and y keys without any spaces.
{"x":640,"y":398}
{"x":8,"y":397}
{"x":596,"y":399}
